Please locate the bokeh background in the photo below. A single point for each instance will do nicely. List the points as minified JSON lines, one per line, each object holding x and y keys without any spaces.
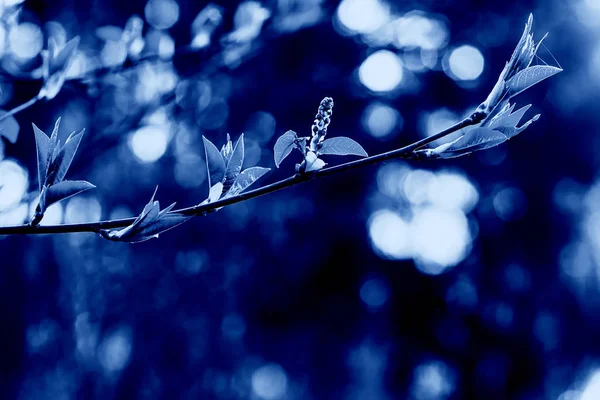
{"x":471,"y":278}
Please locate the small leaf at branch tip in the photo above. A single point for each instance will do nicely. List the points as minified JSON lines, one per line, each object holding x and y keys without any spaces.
{"x":476,"y":139}
{"x":529,"y":77}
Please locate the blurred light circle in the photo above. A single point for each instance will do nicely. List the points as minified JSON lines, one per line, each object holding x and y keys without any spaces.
{"x":438,"y":120}
{"x":390,"y":235}
{"x":416,"y":185}
{"x":362,"y":16}
{"x":595,"y":4}
{"x":380,"y":120}
{"x":452,"y":190}
{"x":233,"y":327}
{"x":433,"y":380}
{"x":82,"y":209}
{"x":390,"y":179}
{"x":52,"y":216}
{"x":261,"y":125}
{"x":149,"y":143}
{"x":591,"y":391}
{"x":115,"y":350}
{"x":510,"y":204}
{"x":466,"y":63}
{"x":162,"y":14}
{"x":374,"y":292}
{"x":26,"y":40}
{"x":166,"y":46}
{"x":416,"y":29}
{"x":381,"y":71}
{"x":441,"y":239}
{"x":13,"y":184}
{"x":269,"y":382}
{"x":14,"y":216}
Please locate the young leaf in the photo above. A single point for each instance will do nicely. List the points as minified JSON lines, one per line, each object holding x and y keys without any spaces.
{"x":42,"y":143}
{"x":528,"y":77}
{"x":215,"y":192}
{"x":284,"y":146}
{"x":64,"y":190}
{"x":158,"y":226}
{"x":227,"y":149}
{"x":474,"y":140}
{"x":9,"y":128}
{"x":313,"y":163}
{"x":234,"y":166}
{"x":246,"y":178}
{"x":214,"y":163}
{"x":66,"y":154}
{"x":53,"y":145}
{"x":341,"y":146}
{"x":506,"y":121}
{"x":149,"y":224}
{"x":438,"y":152}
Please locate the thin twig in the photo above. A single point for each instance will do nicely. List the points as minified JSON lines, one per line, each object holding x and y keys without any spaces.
{"x":20,"y":108}
{"x":200,"y":210}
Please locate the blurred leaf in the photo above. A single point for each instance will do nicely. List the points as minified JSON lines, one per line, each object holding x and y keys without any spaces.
{"x":42,"y":143}
{"x":109,"y":33}
{"x":9,"y":127}
{"x":342,"y":146}
{"x":66,"y":189}
{"x":214,"y":163}
{"x":60,"y":58}
{"x":57,"y":61}
{"x":476,"y":139}
{"x":246,"y":178}
{"x":284,"y":146}
{"x":528,"y":77}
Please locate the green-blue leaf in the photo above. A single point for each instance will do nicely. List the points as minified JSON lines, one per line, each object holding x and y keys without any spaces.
{"x":341,"y":146}
{"x":234,"y":166}
{"x":64,"y":190}
{"x":214,"y":163}
{"x":246,"y":178}
{"x":528,"y":77}
{"x":284,"y":146}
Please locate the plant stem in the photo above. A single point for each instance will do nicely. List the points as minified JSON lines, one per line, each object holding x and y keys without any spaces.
{"x":406,"y":152}
{"x":20,"y":108}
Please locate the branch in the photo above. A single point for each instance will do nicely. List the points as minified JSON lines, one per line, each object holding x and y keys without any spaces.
{"x":19,"y":108}
{"x":406,"y":152}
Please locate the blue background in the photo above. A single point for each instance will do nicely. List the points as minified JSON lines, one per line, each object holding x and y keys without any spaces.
{"x":468,"y":278}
